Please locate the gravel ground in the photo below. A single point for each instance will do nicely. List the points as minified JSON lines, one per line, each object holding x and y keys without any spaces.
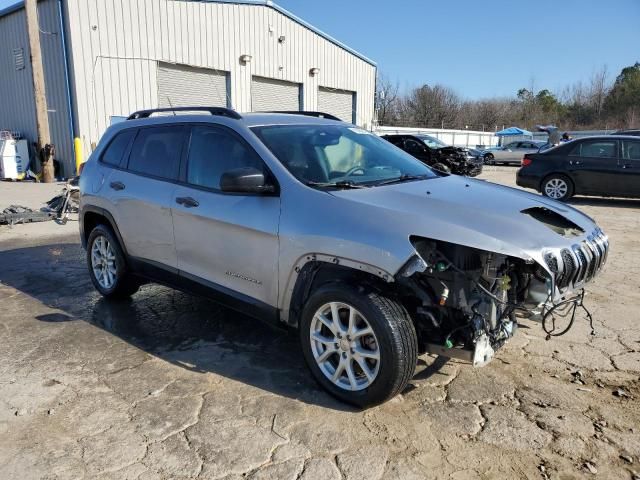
{"x":173,"y":386}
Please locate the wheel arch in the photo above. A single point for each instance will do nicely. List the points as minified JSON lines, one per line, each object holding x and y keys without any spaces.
{"x":314,"y":271}
{"x":93,"y":216}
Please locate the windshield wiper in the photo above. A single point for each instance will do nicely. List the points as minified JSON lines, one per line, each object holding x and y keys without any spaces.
{"x":345,"y":184}
{"x":402,"y":178}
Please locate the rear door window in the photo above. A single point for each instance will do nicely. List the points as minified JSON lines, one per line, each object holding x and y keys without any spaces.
{"x":156,"y":151}
{"x":631,"y":150}
{"x":215,"y":151}
{"x":114,"y":153}
{"x":595,"y":149}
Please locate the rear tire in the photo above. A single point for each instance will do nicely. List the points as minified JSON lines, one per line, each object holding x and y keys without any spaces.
{"x":558,"y":187}
{"x":488,"y":159}
{"x":108,"y":266}
{"x":367,"y":368}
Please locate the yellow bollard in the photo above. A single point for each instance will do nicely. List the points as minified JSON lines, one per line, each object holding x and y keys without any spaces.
{"x":77,"y":146}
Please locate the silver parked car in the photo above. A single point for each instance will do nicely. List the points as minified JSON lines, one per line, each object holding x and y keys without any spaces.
{"x":512,"y":152}
{"x":324,"y":227}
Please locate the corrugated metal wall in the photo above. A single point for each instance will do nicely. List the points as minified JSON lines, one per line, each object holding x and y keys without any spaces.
{"x":56,"y":85}
{"x":17,"y":105}
{"x":459,"y":138}
{"x":116,"y":45}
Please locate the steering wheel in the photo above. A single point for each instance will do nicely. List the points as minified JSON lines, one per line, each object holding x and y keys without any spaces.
{"x":353,"y":170}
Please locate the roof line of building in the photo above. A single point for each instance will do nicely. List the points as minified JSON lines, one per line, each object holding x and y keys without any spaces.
{"x":11,"y":8}
{"x":295,"y":18}
{"x":267,"y":3}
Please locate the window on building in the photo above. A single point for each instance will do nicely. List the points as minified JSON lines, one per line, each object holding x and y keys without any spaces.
{"x":18,"y":58}
{"x":156,"y":151}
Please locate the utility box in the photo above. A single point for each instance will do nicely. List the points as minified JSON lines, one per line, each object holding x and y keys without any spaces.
{"x":14,"y":158}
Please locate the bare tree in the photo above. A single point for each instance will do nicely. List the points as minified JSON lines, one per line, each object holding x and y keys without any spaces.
{"x":599,"y":89}
{"x":436,"y":106}
{"x":592,"y":103}
{"x":386,"y":100}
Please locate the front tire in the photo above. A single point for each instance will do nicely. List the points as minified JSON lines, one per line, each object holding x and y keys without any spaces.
{"x":558,"y":187}
{"x":489,"y":159}
{"x":108,"y":266}
{"x":361,"y":347}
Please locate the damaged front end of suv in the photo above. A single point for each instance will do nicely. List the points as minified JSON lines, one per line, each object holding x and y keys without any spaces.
{"x":465,"y":300}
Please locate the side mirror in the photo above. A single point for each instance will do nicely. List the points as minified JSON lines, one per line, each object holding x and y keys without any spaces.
{"x":245,"y":180}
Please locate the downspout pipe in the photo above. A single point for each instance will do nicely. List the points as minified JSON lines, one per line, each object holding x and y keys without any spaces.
{"x":67,"y":77}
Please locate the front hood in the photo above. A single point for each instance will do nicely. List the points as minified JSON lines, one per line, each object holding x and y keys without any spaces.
{"x":468,"y":212}
{"x":449,"y":150}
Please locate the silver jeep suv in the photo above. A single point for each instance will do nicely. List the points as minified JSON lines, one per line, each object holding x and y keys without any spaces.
{"x":307,"y":221}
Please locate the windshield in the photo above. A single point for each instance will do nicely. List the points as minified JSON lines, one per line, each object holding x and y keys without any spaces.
{"x":326,"y":155}
{"x":432,"y":142}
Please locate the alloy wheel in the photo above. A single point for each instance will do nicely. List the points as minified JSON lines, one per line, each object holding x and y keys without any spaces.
{"x":344,"y":346}
{"x":103,"y":262}
{"x":556,"y":188}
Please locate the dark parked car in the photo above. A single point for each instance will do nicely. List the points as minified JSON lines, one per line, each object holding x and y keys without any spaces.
{"x":438,"y":154}
{"x":605,"y":166}
{"x":635,"y":133}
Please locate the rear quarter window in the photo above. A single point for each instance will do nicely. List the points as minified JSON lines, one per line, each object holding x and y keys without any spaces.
{"x":116,"y":149}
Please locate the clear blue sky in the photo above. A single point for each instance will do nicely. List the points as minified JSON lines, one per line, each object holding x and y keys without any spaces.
{"x":482,"y":48}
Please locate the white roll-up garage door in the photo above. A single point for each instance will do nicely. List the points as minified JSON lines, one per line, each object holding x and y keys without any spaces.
{"x":340,"y":103}
{"x":185,"y":86}
{"x":268,"y":94}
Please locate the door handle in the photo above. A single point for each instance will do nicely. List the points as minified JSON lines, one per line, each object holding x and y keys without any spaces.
{"x":187,"y":202}
{"x":627,"y":165}
{"x":117,"y":185}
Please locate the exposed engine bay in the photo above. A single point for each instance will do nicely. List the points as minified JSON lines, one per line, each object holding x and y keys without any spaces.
{"x":465,"y":300}
{"x":457,"y":160}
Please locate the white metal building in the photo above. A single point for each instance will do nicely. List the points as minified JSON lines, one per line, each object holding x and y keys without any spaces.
{"x":104,"y":59}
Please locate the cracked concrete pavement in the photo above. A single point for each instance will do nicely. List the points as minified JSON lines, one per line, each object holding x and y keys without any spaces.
{"x":173,"y":386}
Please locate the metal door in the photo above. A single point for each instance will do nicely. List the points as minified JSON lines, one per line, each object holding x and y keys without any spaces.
{"x":268,"y":94}
{"x":593,"y":166}
{"x":184,"y":86}
{"x":228,"y":240}
{"x":142,"y":195}
{"x":629,"y":165}
{"x":340,"y":103}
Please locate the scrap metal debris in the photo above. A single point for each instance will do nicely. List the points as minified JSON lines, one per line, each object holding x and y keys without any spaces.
{"x":58,"y":208}
{"x":15,"y":214}
{"x":621,"y":393}
{"x":590,"y":467}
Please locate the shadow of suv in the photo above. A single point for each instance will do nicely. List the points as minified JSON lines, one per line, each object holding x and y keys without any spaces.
{"x":306,"y":221}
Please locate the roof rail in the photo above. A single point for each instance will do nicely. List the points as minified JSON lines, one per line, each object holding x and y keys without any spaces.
{"x":224,"y":112}
{"x":310,"y":114}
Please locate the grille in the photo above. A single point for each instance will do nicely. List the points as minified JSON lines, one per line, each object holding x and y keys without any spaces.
{"x":569,"y":269}
{"x":582,"y":262}
{"x":552,"y":262}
